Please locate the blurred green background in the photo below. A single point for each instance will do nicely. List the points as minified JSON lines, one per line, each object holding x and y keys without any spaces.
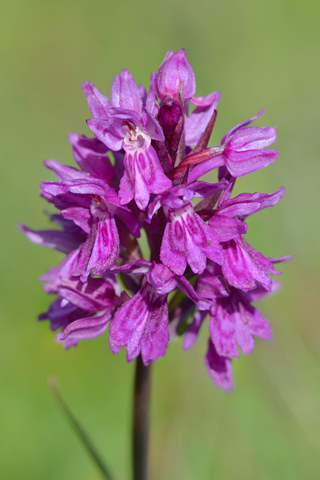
{"x":259,"y":54}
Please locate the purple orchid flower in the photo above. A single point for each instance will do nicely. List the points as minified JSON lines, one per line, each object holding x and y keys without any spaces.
{"x":128,"y":123}
{"x":234,"y":321}
{"x":242,"y":151}
{"x":91,"y":205}
{"x":244,"y":267}
{"x":78,"y":303}
{"x":187,"y":239}
{"x":141,"y":324}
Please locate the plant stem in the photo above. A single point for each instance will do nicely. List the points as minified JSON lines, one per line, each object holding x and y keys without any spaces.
{"x":141,"y":409}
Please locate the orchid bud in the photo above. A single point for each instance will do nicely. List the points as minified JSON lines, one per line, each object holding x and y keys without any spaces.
{"x":175,"y":73}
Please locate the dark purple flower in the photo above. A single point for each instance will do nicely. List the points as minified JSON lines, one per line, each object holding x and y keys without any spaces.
{"x":126,"y":123}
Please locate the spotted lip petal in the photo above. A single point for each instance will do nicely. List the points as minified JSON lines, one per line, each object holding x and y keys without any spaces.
{"x":244,"y":268}
{"x":126,"y":123}
{"x":187,"y":239}
{"x":234,"y":321}
{"x":94,"y":206}
{"x":143,"y":176}
{"x":102,"y":247}
{"x":141,"y":324}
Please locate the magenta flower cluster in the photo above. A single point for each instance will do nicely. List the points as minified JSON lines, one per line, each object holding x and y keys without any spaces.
{"x":141,"y":171}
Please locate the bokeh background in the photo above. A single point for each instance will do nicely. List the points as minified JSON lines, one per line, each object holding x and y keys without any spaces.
{"x":259,"y":53}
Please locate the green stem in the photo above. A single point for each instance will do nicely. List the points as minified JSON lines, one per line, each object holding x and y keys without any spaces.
{"x":141,"y":409}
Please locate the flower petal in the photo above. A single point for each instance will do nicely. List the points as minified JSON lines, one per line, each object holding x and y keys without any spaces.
{"x":58,"y":239}
{"x":188,"y":239}
{"x":197,"y":121}
{"x":243,"y":268}
{"x":241,"y":125}
{"x":85,"y":328}
{"x":90,"y":155}
{"x":191,"y":334}
{"x":102,"y":248}
{"x":125,"y":93}
{"x":106,"y":132}
{"x":219,"y":368}
{"x":227,"y":228}
{"x":99,"y":104}
{"x":144,"y":175}
{"x":141,"y":324}
{"x":174,"y":71}
{"x":241,"y":163}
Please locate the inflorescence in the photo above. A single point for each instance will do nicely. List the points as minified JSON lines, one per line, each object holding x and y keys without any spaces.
{"x":200,"y":264}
